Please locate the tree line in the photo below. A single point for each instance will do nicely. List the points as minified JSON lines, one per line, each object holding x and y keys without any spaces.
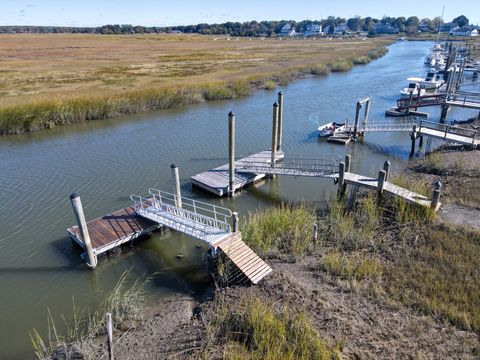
{"x":408,"y":25}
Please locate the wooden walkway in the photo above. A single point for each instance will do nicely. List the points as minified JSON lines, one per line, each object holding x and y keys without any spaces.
{"x":371,"y":183}
{"x":215,"y":181}
{"x":113,"y":230}
{"x":247,"y":264}
{"x":450,"y":137}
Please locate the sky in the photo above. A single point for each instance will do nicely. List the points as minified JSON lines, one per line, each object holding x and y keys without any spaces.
{"x":184,"y":12}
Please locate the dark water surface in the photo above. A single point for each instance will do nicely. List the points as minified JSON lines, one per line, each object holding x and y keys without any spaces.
{"x":105,"y":161}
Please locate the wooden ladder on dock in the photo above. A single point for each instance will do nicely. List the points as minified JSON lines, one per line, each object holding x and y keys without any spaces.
{"x":247,"y":265}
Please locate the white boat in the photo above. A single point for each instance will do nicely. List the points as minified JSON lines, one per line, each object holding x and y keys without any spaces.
{"x":331,"y":129}
{"x":432,"y":81}
{"x":413,"y":87}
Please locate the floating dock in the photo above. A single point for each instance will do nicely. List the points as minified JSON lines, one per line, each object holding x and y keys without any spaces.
{"x":216,"y":181}
{"x":113,"y":230}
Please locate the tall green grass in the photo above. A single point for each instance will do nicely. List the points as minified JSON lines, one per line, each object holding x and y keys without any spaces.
{"x":341,"y":66}
{"x":254,"y":329}
{"x":286,"y":229}
{"x":126,"y":304}
{"x":351,"y":266}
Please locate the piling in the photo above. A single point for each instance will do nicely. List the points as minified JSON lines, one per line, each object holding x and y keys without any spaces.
{"x":82,"y":225}
{"x":280,"y":121}
{"x":367,"y":111}
{"x":315,"y":235}
{"x":176,"y":185}
{"x":444,"y":113}
{"x":386,"y":168}
{"x":357,"y":118}
{"x":410,"y":99}
{"x":274,"y":133}
{"x":231,"y":152}
{"x":342,"y":187}
{"x":437,"y":186}
{"x":348,"y":159}
{"x":235,"y":222}
{"x":109,"y":330}
{"x":381,"y":182}
{"x":413,"y":136}
{"x":420,"y":142}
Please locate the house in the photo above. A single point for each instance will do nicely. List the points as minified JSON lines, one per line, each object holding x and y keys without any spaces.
{"x":446,"y":28}
{"x":423,"y":27}
{"x":313,"y":30}
{"x":465,"y":31}
{"x":341,"y":29}
{"x":384,"y":29}
{"x":287,"y":30}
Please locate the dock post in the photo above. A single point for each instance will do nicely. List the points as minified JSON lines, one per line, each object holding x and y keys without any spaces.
{"x":235,"y":222}
{"x":420,"y":142}
{"x":315,"y":235}
{"x":176,"y":185}
{"x":410,"y":99}
{"x":365,"y":114}
{"x":348,"y":159}
{"x":82,"y":226}
{"x":437,"y":186}
{"x":342,"y":188}
{"x":386,"y":168}
{"x":413,"y":136}
{"x":274,"y":133}
{"x":280,"y":121}
{"x":381,"y":182}
{"x":357,"y":118}
{"x":443,"y":115}
{"x":231,"y":152}
{"x":109,"y":328}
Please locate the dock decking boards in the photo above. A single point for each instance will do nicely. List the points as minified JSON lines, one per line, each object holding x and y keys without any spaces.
{"x":215,"y":181}
{"x":439,"y":134}
{"x":114,"y":229}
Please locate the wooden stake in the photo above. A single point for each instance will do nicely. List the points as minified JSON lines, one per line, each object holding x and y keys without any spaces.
{"x":235,"y":222}
{"x":413,"y":137}
{"x":347,"y":163}
{"x":82,"y":226}
{"x":274,"y":133}
{"x":357,"y":118}
{"x":110,"y":336}
{"x":381,"y":181}
{"x":280,"y":121}
{"x":231,"y":152}
{"x":386,"y":168}
{"x":437,"y":186}
{"x":176,"y":185}
{"x":342,"y":188}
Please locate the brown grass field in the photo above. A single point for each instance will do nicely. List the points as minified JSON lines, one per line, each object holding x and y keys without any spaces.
{"x":36,"y":69}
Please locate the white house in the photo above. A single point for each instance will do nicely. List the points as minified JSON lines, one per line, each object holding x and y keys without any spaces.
{"x":287,"y":30}
{"x":465,"y":31}
{"x":313,"y":30}
{"x":341,"y":29}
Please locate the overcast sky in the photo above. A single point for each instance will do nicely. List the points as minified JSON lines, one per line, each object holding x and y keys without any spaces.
{"x":184,"y":12}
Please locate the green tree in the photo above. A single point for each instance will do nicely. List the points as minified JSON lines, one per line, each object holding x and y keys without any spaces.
{"x":461,"y":20}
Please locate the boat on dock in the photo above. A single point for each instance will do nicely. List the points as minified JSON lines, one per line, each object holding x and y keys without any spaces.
{"x":330,"y":129}
{"x":413,"y":88}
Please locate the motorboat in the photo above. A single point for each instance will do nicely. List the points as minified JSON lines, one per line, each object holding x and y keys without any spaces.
{"x":413,"y":88}
{"x":432,"y":81}
{"x":330,"y":129}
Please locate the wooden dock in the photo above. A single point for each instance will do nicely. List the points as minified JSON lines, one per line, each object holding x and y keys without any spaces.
{"x":113,"y":230}
{"x":215,"y":181}
{"x":247,"y":265}
{"x":450,"y":137}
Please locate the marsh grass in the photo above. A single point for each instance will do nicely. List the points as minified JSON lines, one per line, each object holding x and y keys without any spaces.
{"x":341,"y":66}
{"x":286,"y":229}
{"x":126,"y":304}
{"x":351,"y":266}
{"x":255,"y":329}
{"x":320,"y":70}
{"x":361,"y":60}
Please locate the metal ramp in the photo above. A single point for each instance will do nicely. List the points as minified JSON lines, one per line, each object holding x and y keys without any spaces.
{"x":464,"y":100}
{"x":300,"y":165}
{"x":400,"y":125}
{"x":201,"y":220}
{"x":449,"y":133}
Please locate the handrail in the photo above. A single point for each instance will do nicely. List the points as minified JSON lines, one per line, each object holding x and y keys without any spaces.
{"x":446,"y":126}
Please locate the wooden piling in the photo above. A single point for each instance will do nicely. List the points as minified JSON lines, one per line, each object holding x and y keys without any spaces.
{"x":176,"y":185}
{"x":357,"y":119}
{"x":342,"y":186}
{"x":437,"y":186}
{"x":109,"y":328}
{"x":274,"y":133}
{"x":413,"y":136}
{"x":386,"y":168}
{"x":410,"y":99}
{"x":82,"y":225}
{"x":315,"y":235}
{"x":381,"y":181}
{"x":420,"y":142}
{"x":231,"y":152}
{"x":367,"y":111}
{"x":235,"y":222}
{"x":347,"y":163}
{"x":280,"y":121}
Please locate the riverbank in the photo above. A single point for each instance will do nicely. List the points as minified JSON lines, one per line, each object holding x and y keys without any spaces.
{"x":103,"y":77}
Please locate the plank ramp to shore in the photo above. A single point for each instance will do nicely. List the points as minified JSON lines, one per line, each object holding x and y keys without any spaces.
{"x":113,"y":230}
{"x":215,"y":181}
{"x":247,"y":264}
{"x":372,"y":183}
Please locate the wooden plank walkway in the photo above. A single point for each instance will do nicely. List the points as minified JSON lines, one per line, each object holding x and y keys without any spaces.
{"x":464,"y":104}
{"x":215,"y":181}
{"x":370,"y":183}
{"x":439,"y":134}
{"x":113,"y":230}
{"x":248,"y":264}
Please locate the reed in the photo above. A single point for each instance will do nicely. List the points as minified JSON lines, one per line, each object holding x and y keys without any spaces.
{"x":320,"y":70}
{"x":361,"y":60}
{"x":351,"y":266}
{"x":341,"y":66}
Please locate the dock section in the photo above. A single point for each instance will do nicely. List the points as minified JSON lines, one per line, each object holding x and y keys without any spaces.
{"x":113,"y":230}
{"x":216,"y":181}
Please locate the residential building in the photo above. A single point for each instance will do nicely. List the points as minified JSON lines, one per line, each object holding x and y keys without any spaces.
{"x":313,"y":30}
{"x":287,"y":30}
{"x":384,"y":29}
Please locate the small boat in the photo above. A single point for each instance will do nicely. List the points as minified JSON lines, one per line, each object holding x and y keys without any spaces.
{"x":331,"y":129}
{"x":432,"y":81}
{"x":413,"y":88}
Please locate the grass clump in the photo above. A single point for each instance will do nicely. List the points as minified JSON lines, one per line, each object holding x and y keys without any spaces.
{"x":286,"y":229}
{"x":319,"y":70}
{"x":341,"y":66}
{"x":440,"y":275}
{"x":269,"y":85}
{"x":253,"y":329}
{"x":126,"y":304}
{"x":361,"y":60}
{"x":377,"y":53}
{"x":351,"y":267}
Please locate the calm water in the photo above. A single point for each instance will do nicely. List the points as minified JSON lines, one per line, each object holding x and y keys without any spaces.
{"x":105,"y":161}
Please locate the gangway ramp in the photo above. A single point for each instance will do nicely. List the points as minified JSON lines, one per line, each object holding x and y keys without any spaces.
{"x":213,"y":224}
{"x":449,"y":133}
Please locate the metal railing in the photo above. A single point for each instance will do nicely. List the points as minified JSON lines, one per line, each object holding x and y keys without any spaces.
{"x":296,"y":165}
{"x":449,"y":130}
{"x":463,"y":100}
{"x":401,"y":125}
{"x":192,"y":217}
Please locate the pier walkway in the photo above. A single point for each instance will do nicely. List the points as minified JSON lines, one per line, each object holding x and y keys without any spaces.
{"x":449,"y":133}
